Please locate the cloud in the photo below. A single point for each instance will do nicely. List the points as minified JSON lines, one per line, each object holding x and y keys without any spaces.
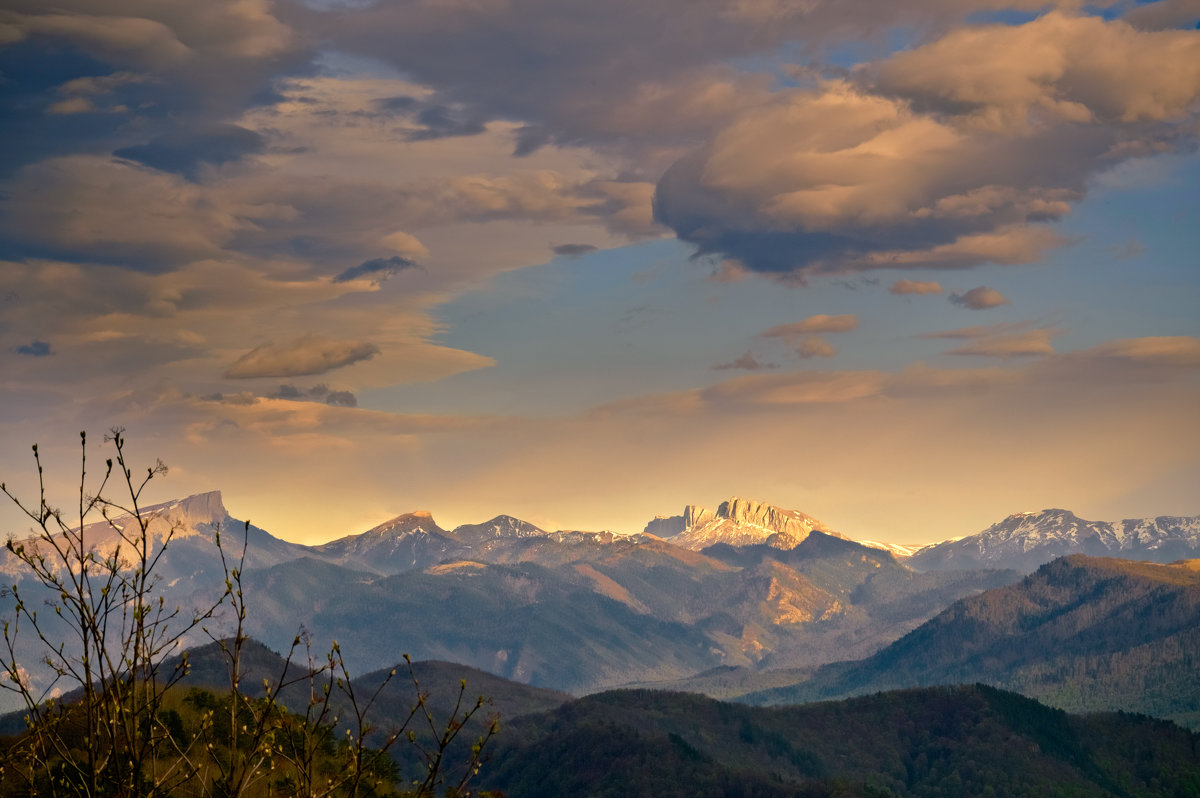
{"x":160,"y":35}
{"x":1057,"y":67}
{"x":1164,"y":15}
{"x":572,"y":250}
{"x":979,"y":331}
{"x":72,"y":105}
{"x":820,"y":323}
{"x":795,"y":388}
{"x":93,"y":208}
{"x":745,"y":362}
{"x":948,"y":155}
{"x":922,"y":380}
{"x":341,"y":399}
{"x":116,"y":39}
{"x":440,"y":121}
{"x":907,"y":287}
{"x":627,"y":76}
{"x":1031,"y":343}
{"x":34,"y":349}
{"x":626,"y":206}
{"x":980,"y":298}
{"x":317,"y":393}
{"x":815,"y":346}
{"x":378,"y":269}
{"x":406,"y":244}
{"x":301,"y":357}
{"x":184,"y":152}
{"x":1170,"y":350}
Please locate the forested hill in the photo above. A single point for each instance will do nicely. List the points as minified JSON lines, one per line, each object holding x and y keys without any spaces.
{"x":1081,"y":633}
{"x":931,"y":742}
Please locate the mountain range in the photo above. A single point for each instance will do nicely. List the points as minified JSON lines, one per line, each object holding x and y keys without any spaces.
{"x":756,"y":596}
{"x":1024,"y":541}
{"x":570,"y":610}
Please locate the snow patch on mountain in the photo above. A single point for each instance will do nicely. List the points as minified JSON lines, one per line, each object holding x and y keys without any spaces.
{"x":1026,"y":540}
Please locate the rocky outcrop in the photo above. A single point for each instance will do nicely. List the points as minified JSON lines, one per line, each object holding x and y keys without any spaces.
{"x":666,"y":526}
{"x":738,"y":522}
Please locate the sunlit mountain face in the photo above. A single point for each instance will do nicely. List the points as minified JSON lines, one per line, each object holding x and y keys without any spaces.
{"x":907,"y":266}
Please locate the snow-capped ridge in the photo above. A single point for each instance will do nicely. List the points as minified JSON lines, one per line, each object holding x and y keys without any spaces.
{"x":502,"y":526}
{"x":1026,"y":540}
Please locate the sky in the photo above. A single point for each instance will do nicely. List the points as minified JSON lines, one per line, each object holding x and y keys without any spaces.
{"x":907,"y":267}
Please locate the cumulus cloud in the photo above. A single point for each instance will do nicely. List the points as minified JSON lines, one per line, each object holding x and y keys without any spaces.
{"x":948,"y":155}
{"x":919,"y":287}
{"x":980,"y":298}
{"x":377,"y":269}
{"x":301,"y":357}
{"x":1060,"y":66}
{"x":650,"y":81}
{"x":820,"y":323}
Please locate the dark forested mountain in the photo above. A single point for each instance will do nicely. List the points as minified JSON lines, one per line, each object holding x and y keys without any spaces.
{"x":953,"y":742}
{"x":1027,"y":540}
{"x":1081,"y":633}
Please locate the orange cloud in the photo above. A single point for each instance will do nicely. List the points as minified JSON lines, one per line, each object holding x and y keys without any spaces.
{"x":906,"y":287}
{"x":1031,"y":343}
{"x":980,"y":298}
{"x":815,"y":346}
{"x":1172,"y":350}
{"x":303,"y":356}
{"x":1079,"y":69}
{"x":821,"y":323}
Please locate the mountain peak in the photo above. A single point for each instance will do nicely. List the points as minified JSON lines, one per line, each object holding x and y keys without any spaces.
{"x":748,"y":511}
{"x":738,"y":522}
{"x":415,"y":522}
{"x":502,"y":526}
{"x":199,"y":508}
